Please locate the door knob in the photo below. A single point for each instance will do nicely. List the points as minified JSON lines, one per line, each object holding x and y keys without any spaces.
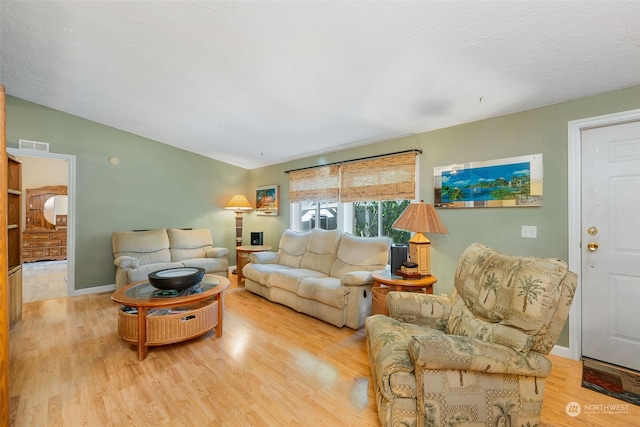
{"x":593,"y":246}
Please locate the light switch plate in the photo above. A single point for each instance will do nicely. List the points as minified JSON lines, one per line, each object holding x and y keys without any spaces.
{"x":529,"y":231}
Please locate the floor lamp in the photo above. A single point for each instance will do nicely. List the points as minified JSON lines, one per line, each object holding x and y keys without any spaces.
{"x":420,"y":218}
{"x":239,"y":204}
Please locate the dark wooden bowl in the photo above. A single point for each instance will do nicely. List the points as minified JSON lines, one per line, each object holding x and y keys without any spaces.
{"x":176,"y":278}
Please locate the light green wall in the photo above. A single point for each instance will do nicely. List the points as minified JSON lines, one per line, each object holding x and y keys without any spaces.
{"x":155,"y":185}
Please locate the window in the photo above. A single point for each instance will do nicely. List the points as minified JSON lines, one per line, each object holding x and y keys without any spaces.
{"x":318,"y":215}
{"x":376,"y":218}
{"x":362,"y":197}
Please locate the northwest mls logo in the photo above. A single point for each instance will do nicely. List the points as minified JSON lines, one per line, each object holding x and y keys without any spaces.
{"x":573,"y":409}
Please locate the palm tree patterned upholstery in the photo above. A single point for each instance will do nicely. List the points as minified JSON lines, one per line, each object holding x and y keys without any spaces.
{"x":477,"y":358}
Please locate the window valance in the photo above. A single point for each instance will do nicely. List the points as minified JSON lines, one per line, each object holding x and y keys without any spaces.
{"x":310,"y":185}
{"x":388,"y":177}
{"x":384,"y":178}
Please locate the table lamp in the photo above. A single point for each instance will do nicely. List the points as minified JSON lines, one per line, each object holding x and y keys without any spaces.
{"x":420,"y":218}
{"x":239,"y":204}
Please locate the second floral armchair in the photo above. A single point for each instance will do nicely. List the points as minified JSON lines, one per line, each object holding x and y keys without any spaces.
{"x":477,"y":357}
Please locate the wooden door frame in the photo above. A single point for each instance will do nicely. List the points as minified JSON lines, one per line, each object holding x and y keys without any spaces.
{"x":575,"y":211}
{"x":71,"y":195}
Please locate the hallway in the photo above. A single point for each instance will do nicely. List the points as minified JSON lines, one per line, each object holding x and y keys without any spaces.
{"x":44,"y":280}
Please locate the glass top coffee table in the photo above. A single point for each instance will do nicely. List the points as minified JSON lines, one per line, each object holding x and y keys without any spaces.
{"x":152,"y":316}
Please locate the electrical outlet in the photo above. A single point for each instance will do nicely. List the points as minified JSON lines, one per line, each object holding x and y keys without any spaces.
{"x":529,"y":231}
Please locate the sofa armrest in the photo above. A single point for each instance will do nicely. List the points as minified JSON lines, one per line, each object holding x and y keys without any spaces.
{"x":217,"y":252}
{"x":420,"y":309}
{"x":126,"y":262}
{"x":437,"y":350}
{"x":356,"y":278}
{"x":264,"y":257}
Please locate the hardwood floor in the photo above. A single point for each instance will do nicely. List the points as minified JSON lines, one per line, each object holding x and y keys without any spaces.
{"x":272,"y":367}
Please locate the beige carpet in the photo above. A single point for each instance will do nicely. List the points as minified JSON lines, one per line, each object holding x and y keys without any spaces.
{"x":43,"y":280}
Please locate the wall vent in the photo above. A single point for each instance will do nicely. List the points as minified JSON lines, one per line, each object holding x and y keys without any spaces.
{"x":33,"y":145}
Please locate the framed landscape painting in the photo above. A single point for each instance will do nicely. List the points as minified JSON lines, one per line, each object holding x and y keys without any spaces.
{"x":508,"y":182}
{"x":267,"y":200}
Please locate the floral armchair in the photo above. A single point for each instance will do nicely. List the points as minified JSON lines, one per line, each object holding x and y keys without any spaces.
{"x":477,"y":358}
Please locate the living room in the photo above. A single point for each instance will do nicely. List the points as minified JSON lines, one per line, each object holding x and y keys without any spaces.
{"x":154,"y":185}
{"x":541,"y":130}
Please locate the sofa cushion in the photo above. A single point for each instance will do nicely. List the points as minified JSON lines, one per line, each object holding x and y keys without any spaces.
{"x":261,"y":273}
{"x":150,"y":247}
{"x":210,"y":265}
{"x":326,"y":290}
{"x":497,"y":289}
{"x":360,"y":254}
{"x":289,"y":279}
{"x":189,"y":244}
{"x":293,"y":246}
{"x":321,"y":250}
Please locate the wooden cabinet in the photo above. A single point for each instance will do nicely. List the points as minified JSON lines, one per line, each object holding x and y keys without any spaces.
{"x":45,"y":237}
{"x":14,"y":247}
{"x":38,"y":245}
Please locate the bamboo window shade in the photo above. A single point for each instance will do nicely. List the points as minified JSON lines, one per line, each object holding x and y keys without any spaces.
{"x":383,"y":178}
{"x":314,"y":184}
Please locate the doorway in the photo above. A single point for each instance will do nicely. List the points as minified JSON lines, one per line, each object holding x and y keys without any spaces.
{"x":61,"y":274}
{"x":592,"y":247}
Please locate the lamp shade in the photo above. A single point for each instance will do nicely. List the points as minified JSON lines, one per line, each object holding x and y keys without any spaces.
{"x":420,"y":218}
{"x":238,"y":203}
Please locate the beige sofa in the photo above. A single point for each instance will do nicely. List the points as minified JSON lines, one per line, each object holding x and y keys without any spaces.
{"x":138,"y":253}
{"x":322,"y":273}
{"x":477,"y":358}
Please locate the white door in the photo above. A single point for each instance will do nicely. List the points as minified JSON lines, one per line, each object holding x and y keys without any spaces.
{"x":610,"y":238}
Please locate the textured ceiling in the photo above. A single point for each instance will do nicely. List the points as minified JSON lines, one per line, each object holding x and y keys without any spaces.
{"x":259,"y":83}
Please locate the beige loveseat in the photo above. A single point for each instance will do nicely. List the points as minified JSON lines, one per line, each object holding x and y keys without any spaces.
{"x":477,"y":358}
{"x":138,"y":253}
{"x":322,"y":273}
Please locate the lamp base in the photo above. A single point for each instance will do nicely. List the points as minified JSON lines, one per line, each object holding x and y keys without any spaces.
{"x":419,"y":252}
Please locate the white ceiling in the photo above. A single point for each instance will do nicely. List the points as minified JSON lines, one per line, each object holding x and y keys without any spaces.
{"x":258,"y":83}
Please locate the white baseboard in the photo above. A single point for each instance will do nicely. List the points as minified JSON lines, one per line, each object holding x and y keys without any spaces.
{"x":96,"y":290}
{"x":561,"y":352}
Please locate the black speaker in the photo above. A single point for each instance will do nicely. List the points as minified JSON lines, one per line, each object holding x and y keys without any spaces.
{"x":399,"y":255}
{"x":256,"y":237}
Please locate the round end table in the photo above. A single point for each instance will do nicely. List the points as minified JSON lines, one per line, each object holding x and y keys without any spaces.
{"x":385,"y":282}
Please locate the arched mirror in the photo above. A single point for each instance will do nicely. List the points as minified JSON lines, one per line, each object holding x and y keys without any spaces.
{"x":55,"y":210}
{"x":46,"y":208}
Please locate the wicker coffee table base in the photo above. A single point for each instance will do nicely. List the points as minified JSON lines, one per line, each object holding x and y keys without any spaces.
{"x":161,"y":321}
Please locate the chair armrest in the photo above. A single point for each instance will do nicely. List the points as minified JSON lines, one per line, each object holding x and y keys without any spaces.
{"x":264,"y":257}
{"x":126,"y":262}
{"x":217,"y":252}
{"x":437,"y":350}
{"x":356,"y":278}
{"x":420,"y":309}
